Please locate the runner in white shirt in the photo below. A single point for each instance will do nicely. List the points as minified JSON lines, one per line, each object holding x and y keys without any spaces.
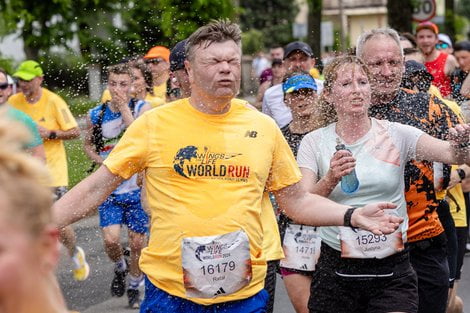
{"x":377,"y":151}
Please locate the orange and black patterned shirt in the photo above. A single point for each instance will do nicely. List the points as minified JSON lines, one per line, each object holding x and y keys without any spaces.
{"x":428,"y":113}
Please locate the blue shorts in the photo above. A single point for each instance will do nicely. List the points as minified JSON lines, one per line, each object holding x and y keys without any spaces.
{"x":124,"y":209}
{"x":157,"y":301}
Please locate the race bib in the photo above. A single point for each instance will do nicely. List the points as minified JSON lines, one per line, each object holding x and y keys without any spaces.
{"x":301,"y":246}
{"x":363,"y":244}
{"x":216,"y":266}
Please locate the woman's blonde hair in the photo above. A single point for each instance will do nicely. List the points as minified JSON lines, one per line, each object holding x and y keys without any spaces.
{"x":22,"y":180}
{"x":330,"y":75}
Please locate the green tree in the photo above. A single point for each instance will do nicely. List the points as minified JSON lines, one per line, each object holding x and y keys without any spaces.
{"x":314,"y":26}
{"x":274,"y":18}
{"x":399,"y":14}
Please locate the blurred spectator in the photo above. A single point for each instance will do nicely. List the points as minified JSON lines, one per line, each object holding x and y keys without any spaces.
{"x":277,"y":71}
{"x":158,"y":58}
{"x":444,"y":44}
{"x":460,"y":79}
{"x":259,"y":64}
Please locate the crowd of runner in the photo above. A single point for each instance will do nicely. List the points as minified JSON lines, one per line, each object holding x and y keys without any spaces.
{"x":351,"y":183}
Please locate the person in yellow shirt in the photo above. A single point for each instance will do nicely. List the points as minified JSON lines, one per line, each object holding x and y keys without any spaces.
{"x":55,"y":124}
{"x":158,"y":58}
{"x":208,"y":159}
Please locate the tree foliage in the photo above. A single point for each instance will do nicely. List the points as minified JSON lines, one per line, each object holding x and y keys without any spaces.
{"x":273,"y":18}
{"x":399,"y":14}
{"x":95,"y":23}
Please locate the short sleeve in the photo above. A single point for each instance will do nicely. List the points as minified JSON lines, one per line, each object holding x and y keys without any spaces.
{"x":306,"y":154}
{"x":407,"y":136}
{"x":64,"y":117}
{"x":129,"y":156}
{"x":284,"y":170}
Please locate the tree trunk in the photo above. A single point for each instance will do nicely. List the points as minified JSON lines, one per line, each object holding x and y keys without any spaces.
{"x":449,"y":19}
{"x":399,"y":14}
{"x":314,"y":27}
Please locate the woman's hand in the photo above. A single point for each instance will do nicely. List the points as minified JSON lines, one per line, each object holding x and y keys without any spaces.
{"x":341,"y":164}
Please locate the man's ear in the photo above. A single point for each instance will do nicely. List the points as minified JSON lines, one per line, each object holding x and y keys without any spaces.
{"x":189,"y":70}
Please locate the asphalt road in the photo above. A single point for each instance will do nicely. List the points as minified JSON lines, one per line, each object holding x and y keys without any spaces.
{"x":93,"y":296}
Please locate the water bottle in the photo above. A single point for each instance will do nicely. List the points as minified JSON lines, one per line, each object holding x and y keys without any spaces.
{"x":349,"y":183}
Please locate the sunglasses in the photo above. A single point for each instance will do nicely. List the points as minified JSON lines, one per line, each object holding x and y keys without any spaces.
{"x":154,"y":61}
{"x":441,"y":46}
{"x":4,"y":86}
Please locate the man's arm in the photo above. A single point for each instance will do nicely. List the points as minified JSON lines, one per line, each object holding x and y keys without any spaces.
{"x":311,"y":209}
{"x":59,"y":134}
{"x":88,"y":144}
{"x":82,"y":199}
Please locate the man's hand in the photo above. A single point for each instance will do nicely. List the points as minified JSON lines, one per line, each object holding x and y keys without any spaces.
{"x":375,"y":219}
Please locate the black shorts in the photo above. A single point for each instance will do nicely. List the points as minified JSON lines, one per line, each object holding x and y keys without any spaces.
{"x":363,"y":285}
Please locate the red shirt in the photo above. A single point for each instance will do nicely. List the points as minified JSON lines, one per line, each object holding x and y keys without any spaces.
{"x":441,"y":80}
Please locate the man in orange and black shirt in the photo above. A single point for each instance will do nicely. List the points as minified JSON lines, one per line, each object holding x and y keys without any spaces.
{"x":381,"y":51}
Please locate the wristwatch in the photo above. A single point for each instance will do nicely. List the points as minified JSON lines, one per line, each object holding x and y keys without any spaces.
{"x":52,"y":135}
{"x":461,"y":173}
{"x":347,"y":217}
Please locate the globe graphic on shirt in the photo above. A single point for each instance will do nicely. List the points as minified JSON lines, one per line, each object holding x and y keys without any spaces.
{"x":184,"y":155}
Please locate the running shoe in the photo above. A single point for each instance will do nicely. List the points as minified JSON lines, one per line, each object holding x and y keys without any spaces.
{"x":134,"y":298}
{"x":82,"y":269}
{"x":118,"y":285}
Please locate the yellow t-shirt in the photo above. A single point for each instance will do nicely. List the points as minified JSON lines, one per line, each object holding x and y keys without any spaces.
{"x":51,"y":112}
{"x":456,"y":201}
{"x":272,"y":239}
{"x":204,"y":175}
{"x":160,"y":91}
{"x":154,"y":101}
{"x":106,"y":96}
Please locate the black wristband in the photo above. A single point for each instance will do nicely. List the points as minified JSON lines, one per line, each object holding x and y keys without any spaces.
{"x":461,"y":173}
{"x":52,"y":135}
{"x":347,"y":217}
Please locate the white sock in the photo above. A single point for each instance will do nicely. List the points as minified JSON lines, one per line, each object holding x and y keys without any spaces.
{"x":134,"y":282}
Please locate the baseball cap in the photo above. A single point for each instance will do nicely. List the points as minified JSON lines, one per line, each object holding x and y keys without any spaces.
{"x":28,"y":70}
{"x":299,"y":82}
{"x":428,"y":25}
{"x":297,"y":46}
{"x":445,"y":39}
{"x":177,"y":56}
{"x":158,"y":52}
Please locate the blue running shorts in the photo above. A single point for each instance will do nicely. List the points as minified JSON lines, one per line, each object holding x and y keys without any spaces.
{"x":158,"y":301}
{"x":124,"y":209}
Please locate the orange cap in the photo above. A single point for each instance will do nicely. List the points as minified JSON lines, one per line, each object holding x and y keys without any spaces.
{"x":427,"y":25}
{"x":158,"y":52}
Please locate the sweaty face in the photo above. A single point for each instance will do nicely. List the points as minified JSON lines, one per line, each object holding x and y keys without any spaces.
{"x":214,"y":71}
{"x":4,"y":89}
{"x":28,"y":88}
{"x":385,"y":62}
{"x":138,"y":81}
{"x":301,"y":102}
{"x":277,"y":53}
{"x":119,"y":85}
{"x":350,"y":93}
{"x":426,"y":40}
{"x":298,"y":62}
{"x":463,"y":57}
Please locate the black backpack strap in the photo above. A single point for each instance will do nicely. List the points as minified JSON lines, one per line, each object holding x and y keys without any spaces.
{"x":97,"y":134}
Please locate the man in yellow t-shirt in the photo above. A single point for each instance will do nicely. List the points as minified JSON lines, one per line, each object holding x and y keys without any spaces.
{"x":208,"y":160}
{"x":158,"y":58}
{"x":55,"y":124}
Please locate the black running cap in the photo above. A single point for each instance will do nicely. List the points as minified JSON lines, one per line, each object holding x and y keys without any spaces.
{"x":297,"y":46}
{"x":177,"y":56}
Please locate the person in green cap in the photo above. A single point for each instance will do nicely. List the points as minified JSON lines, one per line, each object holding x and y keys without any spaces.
{"x":55,"y":123}
{"x":34,"y":145}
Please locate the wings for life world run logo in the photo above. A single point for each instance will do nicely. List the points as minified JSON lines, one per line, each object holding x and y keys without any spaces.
{"x":191,"y":162}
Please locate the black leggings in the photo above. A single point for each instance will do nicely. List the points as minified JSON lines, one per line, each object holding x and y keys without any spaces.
{"x":452,"y":250}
